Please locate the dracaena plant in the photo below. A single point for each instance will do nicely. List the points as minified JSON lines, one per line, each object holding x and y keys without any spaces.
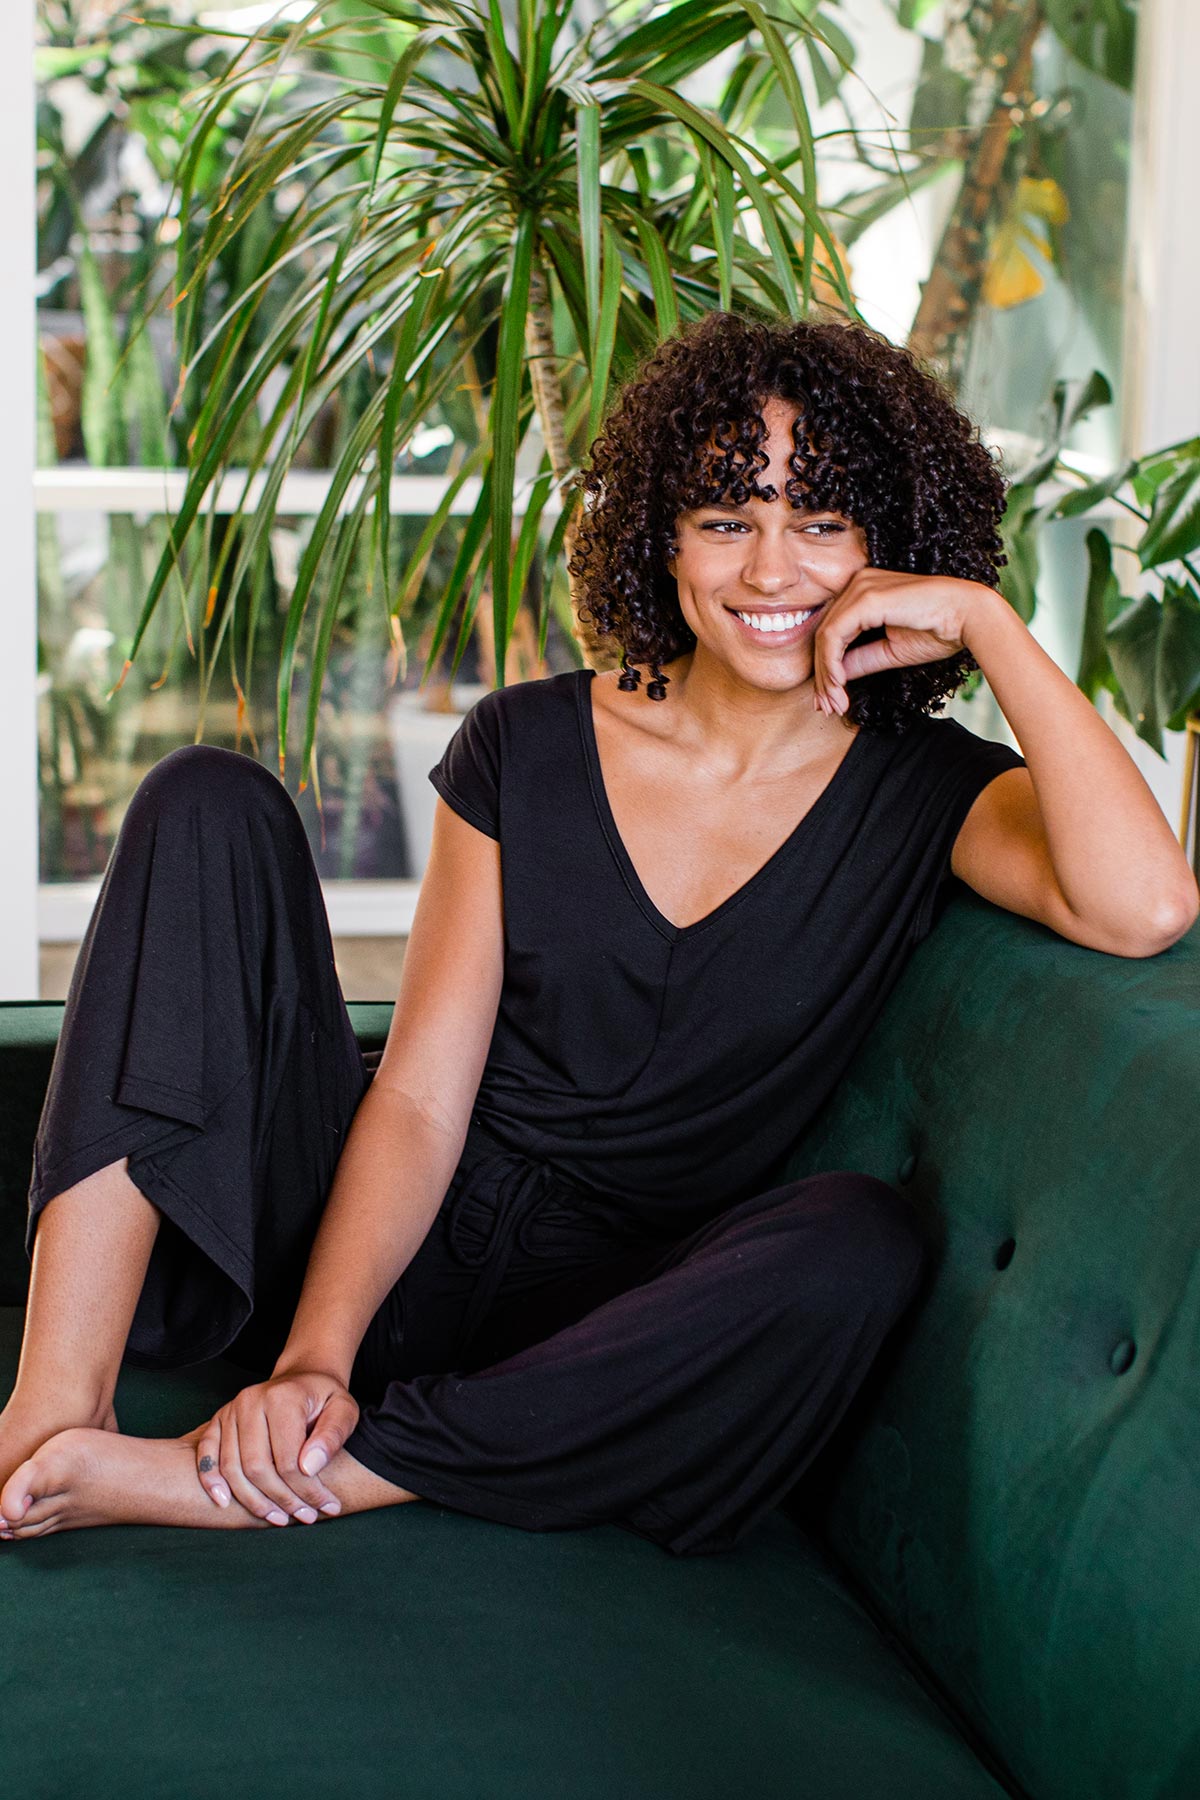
{"x":502,"y":197}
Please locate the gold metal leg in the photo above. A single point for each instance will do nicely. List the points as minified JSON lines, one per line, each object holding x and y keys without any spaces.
{"x":1189,"y":838}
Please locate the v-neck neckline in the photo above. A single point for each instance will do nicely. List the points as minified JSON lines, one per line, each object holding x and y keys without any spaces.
{"x":608,"y":824}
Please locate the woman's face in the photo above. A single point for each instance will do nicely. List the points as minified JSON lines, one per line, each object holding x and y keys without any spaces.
{"x":752,"y":579}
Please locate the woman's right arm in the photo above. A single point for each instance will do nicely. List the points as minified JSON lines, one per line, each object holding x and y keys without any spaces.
{"x":399,"y":1157}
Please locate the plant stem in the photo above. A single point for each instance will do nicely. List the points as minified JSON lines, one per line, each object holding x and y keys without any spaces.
{"x":949,"y":297}
{"x":548,"y":399}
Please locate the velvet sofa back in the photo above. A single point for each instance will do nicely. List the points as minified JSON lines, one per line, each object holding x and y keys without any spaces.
{"x":1019,"y":1487}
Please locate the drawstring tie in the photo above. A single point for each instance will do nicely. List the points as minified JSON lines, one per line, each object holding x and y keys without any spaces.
{"x":505,"y":1201}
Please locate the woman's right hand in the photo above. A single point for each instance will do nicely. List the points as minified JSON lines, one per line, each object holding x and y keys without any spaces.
{"x":266,"y":1447}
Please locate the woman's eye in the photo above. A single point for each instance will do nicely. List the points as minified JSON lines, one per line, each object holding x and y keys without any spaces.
{"x":822,"y":527}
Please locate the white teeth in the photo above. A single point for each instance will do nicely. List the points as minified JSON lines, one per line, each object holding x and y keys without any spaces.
{"x":774,"y":621}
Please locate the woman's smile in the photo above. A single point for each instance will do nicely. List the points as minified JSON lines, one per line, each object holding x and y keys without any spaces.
{"x":774,"y":628}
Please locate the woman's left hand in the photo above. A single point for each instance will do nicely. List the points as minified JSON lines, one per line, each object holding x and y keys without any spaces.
{"x":925,"y":617}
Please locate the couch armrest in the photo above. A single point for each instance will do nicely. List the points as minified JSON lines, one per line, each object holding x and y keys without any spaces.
{"x":28,"y":1035}
{"x":1018,"y":1487}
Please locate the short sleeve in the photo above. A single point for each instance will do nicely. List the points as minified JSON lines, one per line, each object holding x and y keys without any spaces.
{"x":468,"y":775}
{"x":959,"y":765}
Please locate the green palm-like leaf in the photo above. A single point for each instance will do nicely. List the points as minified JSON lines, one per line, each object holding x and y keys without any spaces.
{"x":472,"y":175}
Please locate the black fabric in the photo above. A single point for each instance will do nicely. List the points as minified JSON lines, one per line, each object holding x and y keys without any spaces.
{"x":673,"y":1067}
{"x":205,"y":1037}
{"x":549,"y":1358}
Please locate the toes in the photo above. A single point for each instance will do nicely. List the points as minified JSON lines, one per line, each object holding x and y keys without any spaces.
{"x":17,"y":1494}
{"x":51,"y":1521}
{"x":49,"y":1472}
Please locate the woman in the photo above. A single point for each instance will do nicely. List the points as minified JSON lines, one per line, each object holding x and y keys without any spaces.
{"x":550,"y":1276}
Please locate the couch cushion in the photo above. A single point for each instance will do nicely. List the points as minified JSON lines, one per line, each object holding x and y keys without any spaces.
{"x":423,"y":1653}
{"x":28,"y":1034}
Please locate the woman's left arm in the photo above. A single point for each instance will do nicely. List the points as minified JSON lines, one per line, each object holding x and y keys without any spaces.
{"x":1076,"y":839}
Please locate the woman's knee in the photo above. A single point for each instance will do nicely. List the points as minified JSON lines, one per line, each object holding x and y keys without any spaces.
{"x":881,"y":1247}
{"x":222,"y":782}
{"x":853,"y":1237}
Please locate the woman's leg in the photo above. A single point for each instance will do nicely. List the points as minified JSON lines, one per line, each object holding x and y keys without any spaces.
{"x":87,"y":1477}
{"x":685,"y":1407}
{"x":89,"y":1262}
{"x":205,"y":1077}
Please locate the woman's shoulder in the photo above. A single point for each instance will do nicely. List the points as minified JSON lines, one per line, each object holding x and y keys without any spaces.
{"x":539,"y":716}
{"x":935,"y":758}
{"x":519,"y":702}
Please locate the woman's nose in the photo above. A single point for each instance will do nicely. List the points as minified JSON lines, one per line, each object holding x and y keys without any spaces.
{"x":771,"y":566}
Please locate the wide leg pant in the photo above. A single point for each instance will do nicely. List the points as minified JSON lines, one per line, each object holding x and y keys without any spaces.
{"x":542,"y":1361}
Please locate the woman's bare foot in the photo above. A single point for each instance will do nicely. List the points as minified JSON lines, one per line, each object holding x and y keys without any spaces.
{"x":88,"y":1477}
{"x":27,"y":1422}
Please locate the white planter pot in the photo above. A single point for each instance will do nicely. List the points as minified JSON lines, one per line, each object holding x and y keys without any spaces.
{"x":419,"y":738}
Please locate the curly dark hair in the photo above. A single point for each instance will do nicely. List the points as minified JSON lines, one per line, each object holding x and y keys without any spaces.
{"x":879,"y":440}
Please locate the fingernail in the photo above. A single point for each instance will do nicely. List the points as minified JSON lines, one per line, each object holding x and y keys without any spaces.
{"x":277,"y":1518}
{"x":219,"y":1493}
{"x":314,"y":1462}
{"x":306,"y":1515}
{"x":332,"y":1507}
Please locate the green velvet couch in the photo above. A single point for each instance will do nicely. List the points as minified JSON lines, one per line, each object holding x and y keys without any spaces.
{"x":988,"y":1583}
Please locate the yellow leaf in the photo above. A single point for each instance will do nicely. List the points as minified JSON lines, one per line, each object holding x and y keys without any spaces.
{"x":1011,"y":277}
{"x":1042,"y":200}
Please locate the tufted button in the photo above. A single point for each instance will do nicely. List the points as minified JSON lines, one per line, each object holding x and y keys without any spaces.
{"x":1122,"y":1356}
{"x":1004,"y":1253}
{"x":908,"y":1168}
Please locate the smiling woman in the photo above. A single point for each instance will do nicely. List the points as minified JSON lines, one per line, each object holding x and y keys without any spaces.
{"x":548,"y":1279}
{"x":876,"y":463}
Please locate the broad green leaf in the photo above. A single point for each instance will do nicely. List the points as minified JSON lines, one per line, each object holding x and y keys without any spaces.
{"x":1071,"y":402}
{"x":941,"y":100}
{"x":1157,"y":468}
{"x":912,"y":13}
{"x":1132,"y":641}
{"x":1019,"y":576}
{"x":1099,"y":33}
{"x":1178,"y":674}
{"x":1081,"y":500}
{"x":1101,"y":604}
{"x":1174,"y":528}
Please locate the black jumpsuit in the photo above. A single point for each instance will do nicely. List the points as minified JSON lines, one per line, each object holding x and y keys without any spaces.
{"x":614,"y":1317}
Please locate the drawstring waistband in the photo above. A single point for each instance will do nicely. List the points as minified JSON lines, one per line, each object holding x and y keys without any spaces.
{"x":506,"y":1199}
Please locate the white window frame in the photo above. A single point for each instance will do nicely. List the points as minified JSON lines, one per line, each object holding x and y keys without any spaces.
{"x":1162,"y":404}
